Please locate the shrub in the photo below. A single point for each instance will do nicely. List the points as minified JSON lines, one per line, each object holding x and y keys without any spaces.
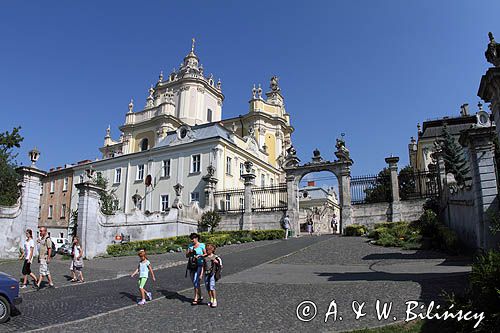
{"x":355,"y":230}
{"x":219,"y":238}
{"x":388,"y":239}
{"x":428,"y":223}
{"x":210,"y":220}
{"x":375,"y":234}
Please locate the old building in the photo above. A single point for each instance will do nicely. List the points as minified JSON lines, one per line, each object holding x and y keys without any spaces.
{"x":318,"y":204}
{"x":180,"y":133}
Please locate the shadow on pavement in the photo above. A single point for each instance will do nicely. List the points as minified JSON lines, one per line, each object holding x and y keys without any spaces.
{"x":129,"y":295}
{"x":174,"y":295}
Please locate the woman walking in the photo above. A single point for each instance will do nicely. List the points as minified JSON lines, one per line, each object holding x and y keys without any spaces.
{"x":29,"y":249}
{"x":195,"y":253}
{"x":77,"y":261}
{"x":310,"y":225}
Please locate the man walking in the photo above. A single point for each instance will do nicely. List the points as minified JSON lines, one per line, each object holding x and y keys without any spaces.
{"x":286,"y":225}
{"x":334,"y":223}
{"x":45,"y":251}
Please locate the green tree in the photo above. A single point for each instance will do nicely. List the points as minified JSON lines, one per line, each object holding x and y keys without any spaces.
{"x":210,"y":220}
{"x":381,"y":191}
{"x":107,"y":197}
{"x":454,"y":157}
{"x":9,"y":179}
{"x":407,"y":183}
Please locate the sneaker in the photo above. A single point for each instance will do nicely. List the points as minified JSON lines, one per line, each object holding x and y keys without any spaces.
{"x":214,"y":304}
{"x":209,"y":303}
{"x":141,"y":302}
{"x":149,"y":296}
{"x":23,"y":286}
{"x":51,"y":285}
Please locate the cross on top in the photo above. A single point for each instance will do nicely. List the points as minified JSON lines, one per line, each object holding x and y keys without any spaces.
{"x":192,"y":44}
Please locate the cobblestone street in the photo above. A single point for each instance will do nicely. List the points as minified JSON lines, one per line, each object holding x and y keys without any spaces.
{"x":262,"y":284}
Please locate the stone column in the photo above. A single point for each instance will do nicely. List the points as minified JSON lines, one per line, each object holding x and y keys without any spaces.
{"x":346,"y":213}
{"x":292,"y":190}
{"x":210,"y":183}
{"x":484,"y":182}
{"x":249,"y":179}
{"x":88,"y":210}
{"x":30,"y":197}
{"x":392,"y":163}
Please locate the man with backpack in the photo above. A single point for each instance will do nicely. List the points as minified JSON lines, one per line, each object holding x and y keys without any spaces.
{"x":45,"y":253}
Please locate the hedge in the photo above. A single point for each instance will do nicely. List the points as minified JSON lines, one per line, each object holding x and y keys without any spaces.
{"x":355,"y":230}
{"x":218,"y":238}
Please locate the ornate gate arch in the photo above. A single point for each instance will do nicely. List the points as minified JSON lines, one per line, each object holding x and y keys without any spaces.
{"x":341,"y":168}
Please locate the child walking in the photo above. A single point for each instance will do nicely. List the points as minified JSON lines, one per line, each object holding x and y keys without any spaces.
{"x":212,"y":267}
{"x":144,"y":269}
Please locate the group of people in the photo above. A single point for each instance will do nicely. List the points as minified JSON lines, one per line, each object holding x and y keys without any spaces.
{"x":309,"y":225}
{"x":203,"y":265}
{"x":46,"y":250}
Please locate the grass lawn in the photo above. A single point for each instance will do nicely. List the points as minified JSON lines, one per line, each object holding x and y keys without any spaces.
{"x":411,"y":327}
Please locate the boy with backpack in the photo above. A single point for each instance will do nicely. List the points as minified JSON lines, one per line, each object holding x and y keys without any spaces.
{"x":212,"y":266}
{"x":46,"y":252}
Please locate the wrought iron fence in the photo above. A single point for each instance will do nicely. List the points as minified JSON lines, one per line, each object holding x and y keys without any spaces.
{"x":270,"y":198}
{"x":414,"y":185}
{"x":230,"y":201}
{"x":370,"y":189}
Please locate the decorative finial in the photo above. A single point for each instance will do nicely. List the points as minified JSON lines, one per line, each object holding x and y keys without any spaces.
{"x":419,"y":128}
{"x":160,"y":77}
{"x":192,"y":44}
{"x":131,"y":106}
{"x":254,"y":91}
{"x":259,"y":92}
{"x":219,"y":84}
{"x":490,"y":36}
{"x":480,"y":106}
{"x":274,"y":83}
{"x":108,"y":131}
{"x":151,"y":91}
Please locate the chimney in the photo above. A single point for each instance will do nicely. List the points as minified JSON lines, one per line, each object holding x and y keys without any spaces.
{"x":311,"y":183}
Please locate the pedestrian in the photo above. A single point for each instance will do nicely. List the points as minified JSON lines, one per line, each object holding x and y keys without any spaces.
{"x":211,"y":265}
{"x":144,"y":268}
{"x":44,"y":255}
{"x":310,"y":225}
{"x":286,"y":225}
{"x":334,"y":223}
{"x":27,"y":255}
{"x":77,"y":260}
{"x":196,"y":251}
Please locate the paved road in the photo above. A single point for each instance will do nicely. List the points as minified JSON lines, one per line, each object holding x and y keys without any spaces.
{"x":262,"y":285}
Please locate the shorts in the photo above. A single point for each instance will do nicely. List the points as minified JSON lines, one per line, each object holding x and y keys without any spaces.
{"x":210,"y":282}
{"x":142,"y":282}
{"x":195,"y":277}
{"x":26,"y":268}
{"x":44,"y":267}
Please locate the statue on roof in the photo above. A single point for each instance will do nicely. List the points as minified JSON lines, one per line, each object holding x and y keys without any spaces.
{"x":492,"y":53}
{"x":342,"y":152}
{"x":274,"y":84}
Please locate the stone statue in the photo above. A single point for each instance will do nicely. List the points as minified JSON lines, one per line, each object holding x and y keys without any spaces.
{"x":342,"y":152}
{"x":251,"y":131}
{"x":291,"y":151}
{"x":274,"y":84}
{"x":492,"y":53}
{"x":211,"y":170}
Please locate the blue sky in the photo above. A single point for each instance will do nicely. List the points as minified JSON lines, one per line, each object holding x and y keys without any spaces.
{"x":370,"y":69}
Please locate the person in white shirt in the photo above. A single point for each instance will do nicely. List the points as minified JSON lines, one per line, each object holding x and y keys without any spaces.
{"x":286,"y":225}
{"x":27,"y":255}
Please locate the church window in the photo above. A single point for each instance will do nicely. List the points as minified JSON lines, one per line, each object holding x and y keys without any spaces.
{"x":209,"y":115}
{"x":140,"y":172}
{"x":165,"y":171}
{"x":195,"y":163}
{"x":118,"y":175}
{"x":144,"y":144}
{"x":164,"y":202}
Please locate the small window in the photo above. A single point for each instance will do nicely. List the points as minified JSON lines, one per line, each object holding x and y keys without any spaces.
{"x":65,"y":184}
{"x":195,"y":196}
{"x":52,"y":186}
{"x":165,"y":168}
{"x":51,"y":210}
{"x":195,"y":163}
{"x":118,"y":175}
{"x":144,"y":144}
{"x":140,"y":172}
{"x":228,"y":165}
{"x":63,"y":211}
{"x":242,"y":203}
{"x":209,"y":115}
{"x":164,"y":202}
{"x":242,"y":169}
{"x":228,"y":202}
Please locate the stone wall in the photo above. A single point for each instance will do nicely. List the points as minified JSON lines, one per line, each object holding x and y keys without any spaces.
{"x":24,"y":215}
{"x":259,"y":221}
{"x":369,"y":214}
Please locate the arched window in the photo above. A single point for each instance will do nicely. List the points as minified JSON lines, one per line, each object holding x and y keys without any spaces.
{"x":209,"y":115}
{"x":144,"y":144}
